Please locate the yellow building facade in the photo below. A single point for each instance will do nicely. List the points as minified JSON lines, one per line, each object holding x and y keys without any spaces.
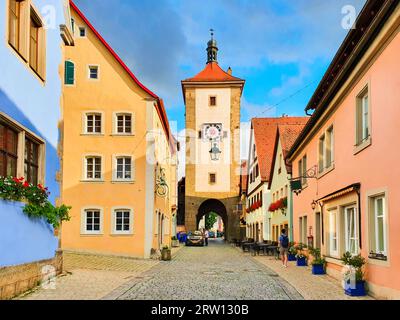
{"x":118,"y":155}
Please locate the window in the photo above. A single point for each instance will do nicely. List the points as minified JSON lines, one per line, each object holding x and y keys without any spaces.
{"x":333,"y":233}
{"x":124,"y":168}
{"x":82,"y":32}
{"x":93,"y":123}
{"x":34,"y":44}
{"x":69,"y":77}
{"x":93,"y":72}
{"x":92,"y":221}
{"x":14,"y":24}
{"x":303,"y":170}
{"x":213,"y":101}
{"x":378,"y":225}
{"x":122,"y":223}
{"x":31,"y":166}
{"x":212,"y":178}
{"x":280,"y":164}
{"x":93,"y":168}
{"x":124,"y":124}
{"x":8,"y":151}
{"x":351,"y":230}
{"x":362,"y":117}
{"x":325,"y":157}
{"x":73,"y":25}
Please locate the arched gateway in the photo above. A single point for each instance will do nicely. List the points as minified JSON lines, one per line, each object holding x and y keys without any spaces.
{"x":212,"y":100}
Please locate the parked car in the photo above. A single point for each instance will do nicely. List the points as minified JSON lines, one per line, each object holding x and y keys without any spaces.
{"x":195,"y":239}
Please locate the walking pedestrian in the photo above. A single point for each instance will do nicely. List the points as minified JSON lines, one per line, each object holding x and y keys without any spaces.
{"x":284,"y":248}
{"x":206,"y":236}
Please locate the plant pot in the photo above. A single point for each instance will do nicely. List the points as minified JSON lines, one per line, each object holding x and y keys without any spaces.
{"x":301,"y":262}
{"x":175,"y":243}
{"x":358,"y":291}
{"x":291,"y":257}
{"x":318,"y":269}
{"x":166,"y":254}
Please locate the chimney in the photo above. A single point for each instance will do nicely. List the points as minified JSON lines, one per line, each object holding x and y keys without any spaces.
{"x":229,"y":71}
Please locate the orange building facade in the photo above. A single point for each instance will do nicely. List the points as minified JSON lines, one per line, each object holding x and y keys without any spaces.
{"x":119,"y":161}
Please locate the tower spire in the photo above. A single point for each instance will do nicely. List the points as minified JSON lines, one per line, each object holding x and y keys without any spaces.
{"x":212,"y":49}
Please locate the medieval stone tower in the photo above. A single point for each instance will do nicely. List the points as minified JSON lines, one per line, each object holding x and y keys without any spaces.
{"x":212,"y":100}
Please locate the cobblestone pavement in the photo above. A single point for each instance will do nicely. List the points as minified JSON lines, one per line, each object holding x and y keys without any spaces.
{"x":311,"y":287}
{"x":90,"y":277}
{"x":207,"y":273}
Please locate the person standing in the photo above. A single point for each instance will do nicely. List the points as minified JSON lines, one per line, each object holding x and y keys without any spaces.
{"x":284,"y":248}
{"x":206,"y":236}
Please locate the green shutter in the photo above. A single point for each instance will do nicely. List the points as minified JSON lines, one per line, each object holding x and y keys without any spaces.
{"x":69,"y":72}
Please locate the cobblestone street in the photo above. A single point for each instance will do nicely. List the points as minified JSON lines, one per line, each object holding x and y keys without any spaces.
{"x":216,"y":272}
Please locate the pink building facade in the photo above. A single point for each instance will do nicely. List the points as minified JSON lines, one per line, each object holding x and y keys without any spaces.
{"x":347,"y":154}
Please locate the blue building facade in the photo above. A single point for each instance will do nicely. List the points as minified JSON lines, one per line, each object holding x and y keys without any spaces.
{"x":30,"y":97}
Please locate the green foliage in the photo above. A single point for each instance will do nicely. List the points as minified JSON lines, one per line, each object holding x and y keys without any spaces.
{"x":356,"y":262}
{"x":316,"y":254}
{"x":211,"y":219}
{"x":174,"y":238}
{"x":165,"y":247}
{"x":38,"y":206}
{"x":292,"y":250}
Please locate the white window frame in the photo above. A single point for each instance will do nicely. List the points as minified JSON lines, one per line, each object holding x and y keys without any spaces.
{"x":115,"y":123}
{"x":85,"y":176}
{"x":332,"y":239}
{"x":89,"y":67}
{"x":323,"y":166}
{"x":362,"y":141}
{"x":85,"y":122}
{"x":347,"y":239}
{"x":115,"y":167}
{"x":84,"y":211}
{"x":375,"y":199}
{"x":114,"y":211}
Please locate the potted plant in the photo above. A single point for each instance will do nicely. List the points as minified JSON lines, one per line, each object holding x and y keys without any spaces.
{"x":174,"y":242}
{"x":318,"y":263}
{"x":354,"y":283}
{"x":301,"y":258}
{"x":166,"y":253}
{"x":292,"y":253}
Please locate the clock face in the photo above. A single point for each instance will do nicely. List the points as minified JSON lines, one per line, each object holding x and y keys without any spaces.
{"x":213,"y":131}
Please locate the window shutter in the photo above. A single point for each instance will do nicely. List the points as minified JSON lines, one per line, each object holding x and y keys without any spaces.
{"x":24,"y":28}
{"x":133,"y":123}
{"x":42,"y":53}
{"x":200,"y":134}
{"x":69,"y":72}
{"x":133,"y":168}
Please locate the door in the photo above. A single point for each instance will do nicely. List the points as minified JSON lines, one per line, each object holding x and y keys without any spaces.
{"x":318,"y":230}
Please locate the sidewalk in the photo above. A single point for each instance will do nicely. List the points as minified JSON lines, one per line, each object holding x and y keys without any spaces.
{"x":311,"y":287}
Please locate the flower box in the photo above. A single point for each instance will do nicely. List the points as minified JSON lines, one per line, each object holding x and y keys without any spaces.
{"x":301,"y":262}
{"x":291,"y":257}
{"x":358,"y":291}
{"x":318,"y":269}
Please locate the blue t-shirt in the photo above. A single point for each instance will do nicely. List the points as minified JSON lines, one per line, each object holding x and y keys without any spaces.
{"x":284,"y":241}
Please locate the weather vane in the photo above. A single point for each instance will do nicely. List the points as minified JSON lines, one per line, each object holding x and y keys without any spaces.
{"x":212,"y":33}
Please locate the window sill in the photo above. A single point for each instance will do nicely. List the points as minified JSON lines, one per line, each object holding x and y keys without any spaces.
{"x":93,"y":181}
{"x":326,"y":171}
{"x":92,"y":134}
{"x":123,"y":181}
{"x":123,"y":135}
{"x":362,"y":146}
{"x":334,"y":260}
{"x":114,"y":234}
{"x":92,"y":234}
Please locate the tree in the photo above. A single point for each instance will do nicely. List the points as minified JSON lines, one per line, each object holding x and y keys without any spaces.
{"x":211,"y":219}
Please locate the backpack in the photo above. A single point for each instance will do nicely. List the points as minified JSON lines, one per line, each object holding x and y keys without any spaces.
{"x":284,"y":241}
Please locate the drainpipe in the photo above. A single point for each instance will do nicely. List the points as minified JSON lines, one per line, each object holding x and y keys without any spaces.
{"x":291,"y":236}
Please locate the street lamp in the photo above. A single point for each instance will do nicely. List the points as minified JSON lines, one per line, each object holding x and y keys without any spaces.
{"x":215,"y":152}
{"x":313,"y":205}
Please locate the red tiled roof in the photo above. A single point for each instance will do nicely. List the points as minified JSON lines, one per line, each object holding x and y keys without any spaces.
{"x":265,"y":131}
{"x":159,"y":105}
{"x":212,"y":73}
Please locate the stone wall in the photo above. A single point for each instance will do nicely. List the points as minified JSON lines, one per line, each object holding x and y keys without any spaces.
{"x":16,"y":280}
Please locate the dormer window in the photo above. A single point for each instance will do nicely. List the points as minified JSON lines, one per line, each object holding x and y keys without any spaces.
{"x":82,"y":32}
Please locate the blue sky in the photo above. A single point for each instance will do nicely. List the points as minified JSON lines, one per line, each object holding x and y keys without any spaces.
{"x":278,"y":46}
